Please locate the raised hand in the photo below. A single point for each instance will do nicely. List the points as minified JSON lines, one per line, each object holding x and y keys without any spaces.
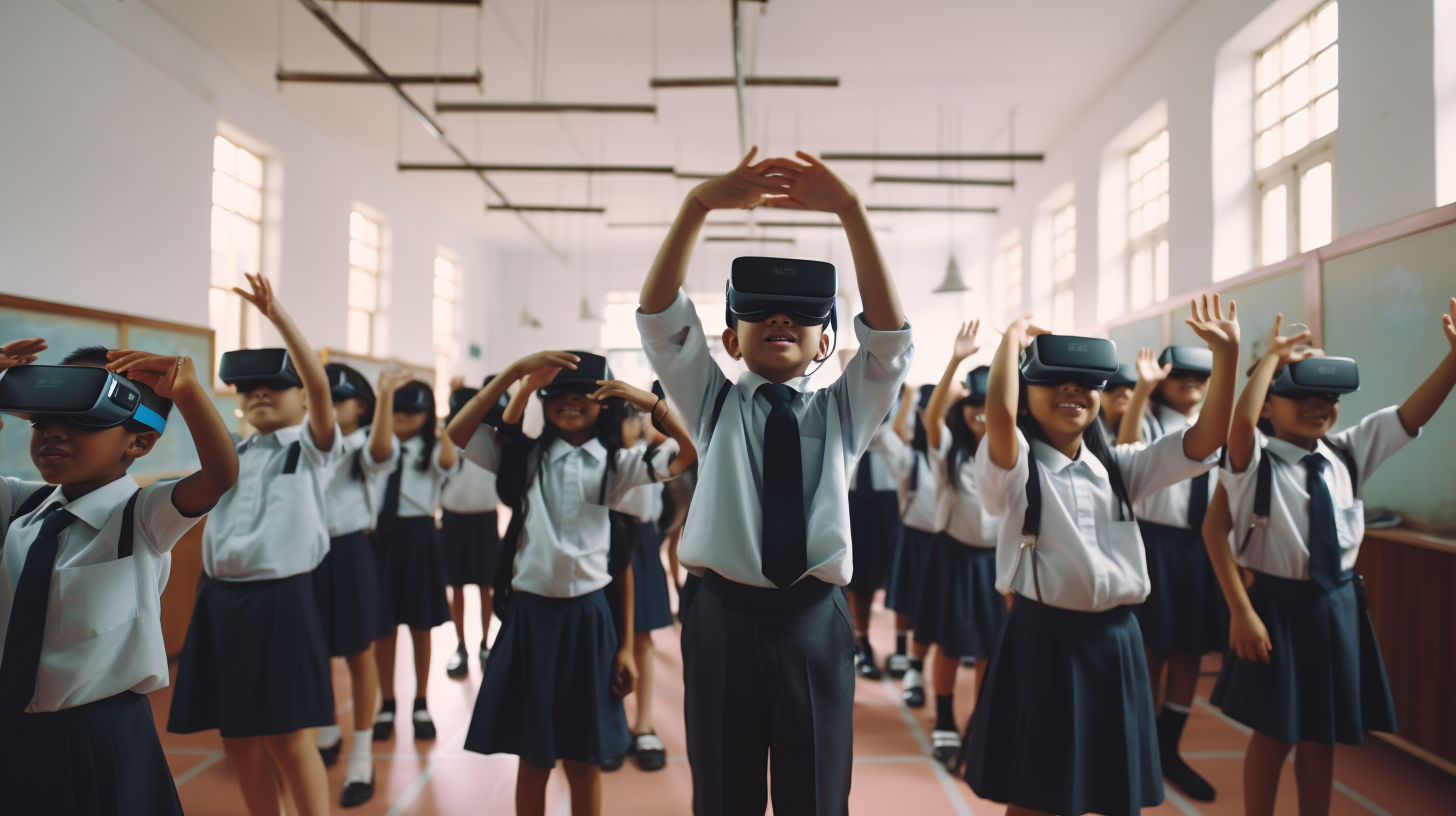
{"x":1022,"y":329}
{"x":1211,"y":326}
{"x":457,"y":382}
{"x":1448,"y":324}
{"x":539,"y":369}
{"x":261,"y":297}
{"x":20,"y":352}
{"x":631,"y":393}
{"x":812,"y":186}
{"x":164,"y":374}
{"x":1148,"y":369}
{"x":746,"y":187}
{"x":965,"y":340}
{"x":393,"y":380}
{"x":1282,"y":348}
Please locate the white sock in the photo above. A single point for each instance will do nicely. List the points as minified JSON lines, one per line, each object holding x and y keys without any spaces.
{"x":1174,"y":707}
{"x":361,"y":761}
{"x":328,"y":736}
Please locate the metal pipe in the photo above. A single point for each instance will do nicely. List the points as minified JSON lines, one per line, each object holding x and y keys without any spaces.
{"x":941,"y":208}
{"x":972,"y":182}
{"x":748,"y":239}
{"x":936,"y":157}
{"x":751,"y":82}
{"x":542,"y":107}
{"x":331,"y":78}
{"x":545,"y":208}
{"x":739,"y":83}
{"x":423,"y":2}
{"x":539,"y":168}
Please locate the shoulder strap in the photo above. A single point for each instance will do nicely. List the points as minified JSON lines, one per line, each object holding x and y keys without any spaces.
{"x":1263,"y":499}
{"x":291,"y":464}
{"x":1349,"y":459}
{"x":1031,"y":522}
{"x":718,"y":403}
{"x":31,"y":503}
{"x":128,"y":527}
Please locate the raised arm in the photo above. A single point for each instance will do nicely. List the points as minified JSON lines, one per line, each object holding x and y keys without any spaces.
{"x":944,"y":394}
{"x":1247,"y":636}
{"x":1149,"y":375}
{"x":1221,"y":334}
{"x":1251,"y":402}
{"x":381,"y":431}
{"x":446,"y":454}
{"x":21,"y":352}
{"x":1003,"y":400}
{"x":310,"y":370}
{"x":470,"y":417}
{"x":901,"y":425}
{"x":1420,"y":406}
{"x":648,"y":401}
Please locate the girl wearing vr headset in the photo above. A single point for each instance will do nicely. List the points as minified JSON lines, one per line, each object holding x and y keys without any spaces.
{"x":1306,"y":668}
{"x":407,"y":542}
{"x":1064,"y":723}
{"x":563,"y":658}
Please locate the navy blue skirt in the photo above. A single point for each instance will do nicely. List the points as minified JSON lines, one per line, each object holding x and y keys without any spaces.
{"x":254,"y":662}
{"x":1064,"y":723}
{"x":546,"y":694}
{"x":470,"y":544}
{"x":874,"y":527}
{"x":1324,"y":682}
{"x":907,"y":572}
{"x":960,"y":610}
{"x":653,"y":607}
{"x":411,"y":572}
{"x":346,"y":589}
{"x":1185,"y":611}
{"x":98,"y":759}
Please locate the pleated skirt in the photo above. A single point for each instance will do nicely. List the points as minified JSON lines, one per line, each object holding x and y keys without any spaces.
{"x":411,"y":572}
{"x":1325,"y":680}
{"x":546,"y":694}
{"x":960,"y":610}
{"x":653,"y":608}
{"x":874,"y":527}
{"x":1064,"y":723}
{"x":254,"y":662}
{"x":470,"y":544}
{"x":1185,"y":611}
{"x":907,"y":570}
{"x":346,"y":589}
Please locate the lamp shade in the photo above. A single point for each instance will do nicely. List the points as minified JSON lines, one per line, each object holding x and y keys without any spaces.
{"x":952,"y":282}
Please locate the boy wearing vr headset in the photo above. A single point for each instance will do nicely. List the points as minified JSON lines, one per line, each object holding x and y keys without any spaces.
{"x":768,"y":647}
{"x":76,"y":732}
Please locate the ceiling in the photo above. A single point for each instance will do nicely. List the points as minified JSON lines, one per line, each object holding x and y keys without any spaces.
{"x":916,"y":75}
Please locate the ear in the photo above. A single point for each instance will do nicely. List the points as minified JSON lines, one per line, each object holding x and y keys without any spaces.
{"x":730,"y":342}
{"x":141,"y":444}
{"x":823,"y":347}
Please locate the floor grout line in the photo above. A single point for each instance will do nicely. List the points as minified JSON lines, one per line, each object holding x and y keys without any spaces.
{"x":415,"y":787}
{"x":947,"y":784}
{"x":187,"y":775}
{"x":1176,"y":800}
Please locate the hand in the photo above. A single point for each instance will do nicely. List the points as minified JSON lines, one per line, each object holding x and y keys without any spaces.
{"x":812,"y":186}
{"x":1148,"y":369}
{"x":908,"y":393}
{"x":1249,"y":639}
{"x":746,"y":187}
{"x":457,"y":382}
{"x":1448,"y":323}
{"x":645,"y":400}
{"x":1212,"y":327}
{"x":393,"y":380}
{"x":1282,"y":348}
{"x":1022,"y":330}
{"x":168,"y":376}
{"x":261,"y":297}
{"x":965,"y":340}
{"x":20,"y":352}
{"x":624,"y":673}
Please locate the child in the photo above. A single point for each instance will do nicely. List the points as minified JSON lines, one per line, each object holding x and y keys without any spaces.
{"x":552,"y":689}
{"x":255,"y":664}
{"x":960,"y":610}
{"x":469,"y":539}
{"x":407,"y":543}
{"x":1064,"y":723}
{"x":768,"y":645}
{"x":874,"y":529}
{"x":1116,"y":398}
{"x":346,"y":583}
{"x":1181,"y":619}
{"x":76,"y":730}
{"x":1306,"y":668}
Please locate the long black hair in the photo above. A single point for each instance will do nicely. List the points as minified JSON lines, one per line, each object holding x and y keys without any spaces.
{"x":1096,"y":443}
{"x":427,"y":429}
{"x":963,"y":442}
{"x":365,"y":394}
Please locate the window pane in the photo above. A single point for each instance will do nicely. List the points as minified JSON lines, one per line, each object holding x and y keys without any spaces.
{"x":222,"y":190}
{"x":1316,"y":207}
{"x":1327,"y":70}
{"x":1269,"y":109}
{"x":359,"y":332}
{"x":363,"y":256}
{"x":1140,"y":279}
{"x":363,"y":290}
{"x":1296,"y":47}
{"x":445,"y":268}
{"x":356,"y":226}
{"x":1296,"y":90}
{"x":444,"y":288}
{"x":444,"y":319}
{"x":246,"y":242}
{"x":1160,"y":271}
{"x":250,"y":201}
{"x":224,"y":155}
{"x":250,"y":169}
{"x":1327,"y":114}
{"x":1271,"y":146}
{"x":370,"y":234}
{"x":1269,"y":64}
{"x":1296,"y":131}
{"x":1275,"y":234}
{"x":1326,"y":25}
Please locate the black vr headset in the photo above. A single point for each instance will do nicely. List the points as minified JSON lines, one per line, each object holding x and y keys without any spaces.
{"x":246,"y":369}
{"x":925,"y":392}
{"x":83,"y":396}
{"x":582,"y":379}
{"x":1052,"y":359}
{"x":1188,"y":360}
{"x":412,"y":400}
{"x":1125,"y":376}
{"x":978,"y":382}
{"x":1317,"y":377}
{"x":341,"y":387}
{"x":761,"y":287}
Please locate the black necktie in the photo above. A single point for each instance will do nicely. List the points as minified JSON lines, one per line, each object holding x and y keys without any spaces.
{"x":785,"y":542}
{"x":25,"y":633}
{"x":864,"y":475}
{"x":1324,"y":540}
{"x":1197,"y":501}
{"x":390,"y":510}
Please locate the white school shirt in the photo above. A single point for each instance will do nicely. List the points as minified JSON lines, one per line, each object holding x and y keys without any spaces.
{"x":270,"y":524}
{"x":881,"y":479}
{"x":960,"y":511}
{"x":353,"y":504}
{"x":645,"y":503}
{"x":917,"y":510}
{"x":1283,"y":549}
{"x":1168,"y":506}
{"x":419,"y":490}
{"x":103,"y":628}
{"x":567,"y":536}
{"x":469,"y":490}
{"x":725,"y":524}
{"x":1088,"y":560}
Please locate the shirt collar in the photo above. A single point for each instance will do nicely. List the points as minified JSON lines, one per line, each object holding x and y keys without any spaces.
{"x":96,"y":507}
{"x":1170,"y":419}
{"x":1290,"y":452}
{"x":283,"y":437}
{"x":1055,"y":461}
{"x":749,"y":382}
{"x":560,"y":449}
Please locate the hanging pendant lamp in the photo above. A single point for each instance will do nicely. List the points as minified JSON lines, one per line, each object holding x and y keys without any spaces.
{"x":953,"y":281}
{"x":586,"y":314}
{"x":527,"y":319}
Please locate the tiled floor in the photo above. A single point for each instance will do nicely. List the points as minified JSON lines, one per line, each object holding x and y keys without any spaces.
{"x":893,"y":773}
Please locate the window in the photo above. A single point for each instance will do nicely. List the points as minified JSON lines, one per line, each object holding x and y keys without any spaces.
{"x":1014,"y":306}
{"x":1296,"y":112}
{"x":1064,"y":265}
{"x":447,"y":283}
{"x":364,"y":243}
{"x":1147,"y":222}
{"x":621,"y":343}
{"x":237,"y":241}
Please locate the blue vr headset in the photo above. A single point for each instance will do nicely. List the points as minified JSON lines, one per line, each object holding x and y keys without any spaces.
{"x":84,"y":396}
{"x":1052,"y":359}
{"x":804,"y":290}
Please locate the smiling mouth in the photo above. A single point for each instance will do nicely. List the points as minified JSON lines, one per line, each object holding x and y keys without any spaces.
{"x":53,"y":454}
{"x":781,"y":337}
{"x":1314,"y":416}
{"x":571,"y":409}
{"x":1075,"y":406}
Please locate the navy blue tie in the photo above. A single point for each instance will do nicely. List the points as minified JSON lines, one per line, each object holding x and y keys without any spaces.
{"x":1197,"y":501}
{"x":785,"y":537}
{"x":864,"y":475}
{"x":1324,"y":539}
{"x":25,"y":633}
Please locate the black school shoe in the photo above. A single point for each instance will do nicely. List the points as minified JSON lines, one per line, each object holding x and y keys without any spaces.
{"x":864,"y":663}
{"x":614,"y":763}
{"x":651,"y":754}
{"x":947,"y":747}
{"x":424,"y":726}
{"x":331,"y":753}
{"x":384,"y":723}
{"x":357,"y":793}
{"x":912,"y":688}
{"x":896,"y":665}
{"x":458,"y":666}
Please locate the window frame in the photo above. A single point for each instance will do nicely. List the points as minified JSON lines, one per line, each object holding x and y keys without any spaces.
{"x":232,"y":303}
{"x":377,"y":274}
{"x":1152,"y":240}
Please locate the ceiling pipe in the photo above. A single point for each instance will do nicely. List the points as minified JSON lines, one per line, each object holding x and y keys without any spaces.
{"x":634,"y":169}
{"x":542,"y":107}
{"x":936,"y":157}
{"x":421,"y":2}
{"x":749,"y":239}
{"x":970,"y":182}
{"x":748,"y":81}
{"x":333,"y":78}
{"x":940,"y":208}
{"x":739,"y":80}
{"x":563,"y":208}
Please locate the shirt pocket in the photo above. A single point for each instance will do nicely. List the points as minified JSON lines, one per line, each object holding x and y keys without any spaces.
{"x":1125,"y":565}
{"x":96,"y":599}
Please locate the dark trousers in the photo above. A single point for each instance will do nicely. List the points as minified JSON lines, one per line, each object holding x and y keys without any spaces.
{"x":769,"y":685}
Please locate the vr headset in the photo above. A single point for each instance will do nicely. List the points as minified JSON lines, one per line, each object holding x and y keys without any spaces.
{"x":978,"y":381}
{"x":1052,"y":359}
{"x":583,"y":379}
{"x":494,"y":417}
{"x":246,"y":369}
{"x":83,"y":396}
{"x":341,"y":387}
{"x":409,"y":400}
{"x":924,"y":400}
{"x":1188,"y":360}
{"x":1317,"y":377}
{"x":761,"y":287}
{"x":1124,"y":377}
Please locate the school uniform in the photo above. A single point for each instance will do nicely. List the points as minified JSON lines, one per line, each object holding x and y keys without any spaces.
{"x":546,"y":692}
{"x":653,"y":606}
{"x":407,"y":541}
{"x":76,"y":730}
{"x":874,"y":520}
{"x":1185,"y":610}
{"x":346,"y":582}
{"x":960,"y":610}
{"x":255,"y":661}
{"x":1325,"y":681}
{"x":916,"y":484}
{"x":1064,"y":723}
{"x":469,"y":526}
{"x":769,"y":672}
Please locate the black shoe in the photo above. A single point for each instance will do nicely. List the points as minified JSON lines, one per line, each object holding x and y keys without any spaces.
{"x":383,"y":725}
{"x":484,"y":655}
{"x":424,"y":726}
{"x":896,"y":665}
{"x":613,"y":763}
{"x":864,"y":664}
{"x":650,"y":752}
{"x":1170,"y":732}
{"x":357,"y":793}
{"x":331,"y":753}
{"x":947,"y":745}
{"x":458,"y":665}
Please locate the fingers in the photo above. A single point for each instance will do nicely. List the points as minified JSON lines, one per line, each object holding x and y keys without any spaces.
{"x":1233,"y":309}
{"x":150,"y":379}
{"x":747,"y":160}
{"x":31,"y":345}
{"x":808,"y":158}
{"x":1032,"y":331}
{"x":1278,"y":319}
{"x":783,"y":203}
{"x":1264,"y":647}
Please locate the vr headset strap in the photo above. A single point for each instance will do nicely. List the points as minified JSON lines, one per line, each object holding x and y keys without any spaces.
{"x":717,"y":409}
{"x":1031,"y":523}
